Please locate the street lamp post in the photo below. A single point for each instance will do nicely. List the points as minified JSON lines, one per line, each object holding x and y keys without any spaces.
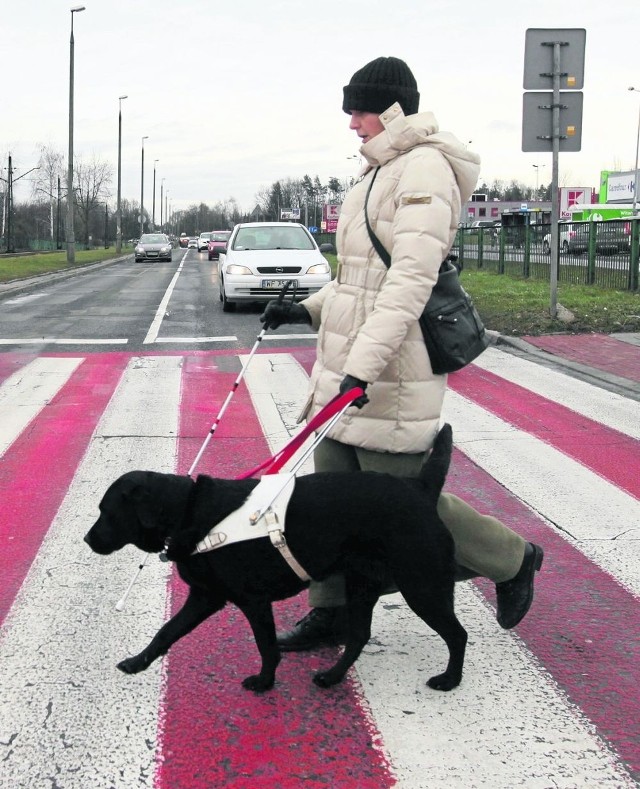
{"x":71,"y":240}
{"x":161,"y":199}
{"x":153,"y":214}
{"x":537,"y":169}
{"x":166,"y":212}
{"x":635,"y":173}
{"x":119,"y":204}
{"x":58,"y":244}
{"x":146,"y":137}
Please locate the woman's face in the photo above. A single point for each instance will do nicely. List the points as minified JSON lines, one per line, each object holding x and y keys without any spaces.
{"x":366,"y":124}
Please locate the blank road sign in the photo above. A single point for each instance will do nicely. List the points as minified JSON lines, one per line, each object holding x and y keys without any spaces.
{"x":537,"y":121}
{"x":538,"y":58}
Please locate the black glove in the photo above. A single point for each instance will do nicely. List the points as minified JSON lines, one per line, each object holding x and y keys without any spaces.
{"x":348,"y":383}
{"x":275,"y":314}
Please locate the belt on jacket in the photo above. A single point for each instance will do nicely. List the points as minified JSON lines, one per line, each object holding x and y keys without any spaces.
{"x":367,"y":278}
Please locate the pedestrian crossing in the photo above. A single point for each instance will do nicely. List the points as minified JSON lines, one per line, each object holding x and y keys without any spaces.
{"x":554,"y":703}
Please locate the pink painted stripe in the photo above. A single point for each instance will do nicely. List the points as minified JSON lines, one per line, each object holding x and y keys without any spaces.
{"x":216,"y":734}
{"x":609,"y":453}
{"x":37,"y":469}
{"x":595,"y":350}
{"x":580,"y":616}
{"x":12,"y":362}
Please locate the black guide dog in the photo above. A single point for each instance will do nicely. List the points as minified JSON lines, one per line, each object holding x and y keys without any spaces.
{"x":373,"y":528}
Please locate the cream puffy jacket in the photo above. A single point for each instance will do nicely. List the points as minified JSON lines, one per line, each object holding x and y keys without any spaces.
{"x":367,"y":316}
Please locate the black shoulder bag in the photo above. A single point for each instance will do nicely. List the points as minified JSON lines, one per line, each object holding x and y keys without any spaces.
{"x":452,"y":329}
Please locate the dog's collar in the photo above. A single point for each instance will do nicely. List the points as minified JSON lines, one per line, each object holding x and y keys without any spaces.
{"x":186,"y":520}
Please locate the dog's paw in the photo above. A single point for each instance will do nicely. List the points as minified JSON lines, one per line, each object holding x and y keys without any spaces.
{"x":131,"y":665}
{"x":257,"y":683}
{"x":444,"y":682}
{"x":326,"y":679}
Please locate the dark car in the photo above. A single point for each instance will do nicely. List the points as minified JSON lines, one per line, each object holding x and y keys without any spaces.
{"x":608,"y":239}
{"x":153,"y":246}
{"x":217,"y":242}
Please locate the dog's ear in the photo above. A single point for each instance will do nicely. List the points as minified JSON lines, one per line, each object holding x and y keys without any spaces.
{"x":140,"y":499}
{"x":138,"y":496}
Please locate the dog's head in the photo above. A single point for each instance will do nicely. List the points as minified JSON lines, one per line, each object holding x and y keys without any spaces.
{"x":131,"y":512}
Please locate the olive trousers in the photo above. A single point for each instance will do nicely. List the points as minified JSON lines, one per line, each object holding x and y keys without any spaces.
{"x":483,"y":545}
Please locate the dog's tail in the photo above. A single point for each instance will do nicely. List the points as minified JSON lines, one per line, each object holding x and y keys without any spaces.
{"x":434,"y":470}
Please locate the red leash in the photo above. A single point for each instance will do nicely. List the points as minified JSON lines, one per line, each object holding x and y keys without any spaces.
{"x":333,"y":407}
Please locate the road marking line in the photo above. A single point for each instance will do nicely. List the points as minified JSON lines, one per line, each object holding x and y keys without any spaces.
{"x":186,"y":340}
{"x":290,"y":337}
{"x":61,"y":341}
{"x":152,"y":334}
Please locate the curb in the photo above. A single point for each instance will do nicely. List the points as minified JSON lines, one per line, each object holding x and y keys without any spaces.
{"x":591,"y":375}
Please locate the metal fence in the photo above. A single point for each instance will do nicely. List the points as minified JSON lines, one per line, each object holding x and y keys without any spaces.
{"x":590,"y":253}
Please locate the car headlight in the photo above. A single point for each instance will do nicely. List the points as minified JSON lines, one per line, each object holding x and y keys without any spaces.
{"x":235,"y":268}
{"x":164,"y":249}
{"x":139,"y":249}
{"x":319,"y":268}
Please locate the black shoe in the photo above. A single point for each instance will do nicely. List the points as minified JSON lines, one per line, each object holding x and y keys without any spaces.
{"x":320,"y":627}
{"x":514,"y":597}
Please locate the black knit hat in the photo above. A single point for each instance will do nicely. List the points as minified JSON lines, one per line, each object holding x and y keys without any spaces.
{"x":376,"y":86}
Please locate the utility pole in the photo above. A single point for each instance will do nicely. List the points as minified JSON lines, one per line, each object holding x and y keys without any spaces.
{"x":9,"y":202}
{"x":71,"y":239}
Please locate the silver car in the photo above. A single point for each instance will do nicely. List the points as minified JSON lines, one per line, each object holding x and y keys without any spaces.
{"x":153,"y":246}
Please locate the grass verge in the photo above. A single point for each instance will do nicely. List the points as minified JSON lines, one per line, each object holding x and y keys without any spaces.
{"x":21,"y":266}
{"x":516,"y":306}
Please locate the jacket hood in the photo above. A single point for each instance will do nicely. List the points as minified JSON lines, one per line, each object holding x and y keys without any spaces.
{"x":402,"y":133}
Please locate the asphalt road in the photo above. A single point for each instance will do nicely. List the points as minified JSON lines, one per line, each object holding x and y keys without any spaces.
{"x":132,"y":306}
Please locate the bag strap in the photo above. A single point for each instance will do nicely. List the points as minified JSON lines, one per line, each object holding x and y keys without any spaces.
{"x":382,"y":252}
{"x":377,"y":244}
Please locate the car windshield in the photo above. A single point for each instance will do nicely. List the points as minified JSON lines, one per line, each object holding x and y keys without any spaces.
{"x":275,"y":237}
{"x":220,"y":236}
{"x":151,"y":238}
{"x":205,"y":235}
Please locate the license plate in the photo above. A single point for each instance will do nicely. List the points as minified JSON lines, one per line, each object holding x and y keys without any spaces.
{"x":276,"y":284}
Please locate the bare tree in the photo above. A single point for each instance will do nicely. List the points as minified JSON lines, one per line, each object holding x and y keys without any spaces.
{"x":92,"y":180}
{"x":51,"y":166}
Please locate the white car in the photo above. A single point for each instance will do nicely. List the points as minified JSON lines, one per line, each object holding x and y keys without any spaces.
{"x":261,"y":256}
{"x":565,"y":242}
{"x":203,"y":241}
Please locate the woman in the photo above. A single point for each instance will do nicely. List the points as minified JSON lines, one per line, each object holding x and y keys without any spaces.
{"x":368,"y":332}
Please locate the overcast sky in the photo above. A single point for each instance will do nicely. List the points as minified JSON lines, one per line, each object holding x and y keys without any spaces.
{"x":235,"y":95}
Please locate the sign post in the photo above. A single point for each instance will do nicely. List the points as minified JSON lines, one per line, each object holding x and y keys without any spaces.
{"x":553,"y":121}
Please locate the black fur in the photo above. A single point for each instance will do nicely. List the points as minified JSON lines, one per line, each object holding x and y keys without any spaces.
{"x":371,"y":527}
